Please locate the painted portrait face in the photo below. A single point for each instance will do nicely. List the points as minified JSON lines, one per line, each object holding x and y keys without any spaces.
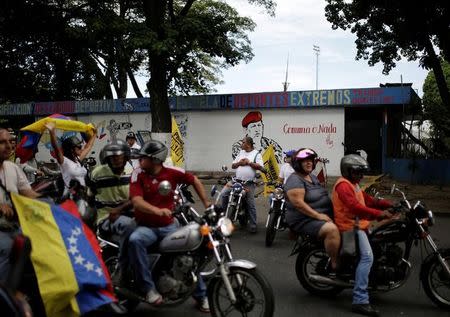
{"x":255,"y":130}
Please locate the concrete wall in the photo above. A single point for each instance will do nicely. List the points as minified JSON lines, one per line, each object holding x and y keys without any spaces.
{"x":209,"y":135}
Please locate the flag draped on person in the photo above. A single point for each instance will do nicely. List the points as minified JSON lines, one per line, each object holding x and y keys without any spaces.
{"x":272,"y":169}
{"x":71,"y":274}
{"x":177,"y":145}
{"x":31,"y":134}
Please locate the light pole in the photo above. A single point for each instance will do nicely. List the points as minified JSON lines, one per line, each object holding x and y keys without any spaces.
{"x":316,"y":49}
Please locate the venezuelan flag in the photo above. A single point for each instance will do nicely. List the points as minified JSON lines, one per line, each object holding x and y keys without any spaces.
{"x":31,"y":134}
{"x":71,"y":274}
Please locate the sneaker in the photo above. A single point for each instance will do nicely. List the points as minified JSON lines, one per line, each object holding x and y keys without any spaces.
{"x":153,"y":297}
{"x":203,"y":305}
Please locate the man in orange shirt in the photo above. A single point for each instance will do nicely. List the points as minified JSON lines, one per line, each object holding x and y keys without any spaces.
{"x":351,"y":203}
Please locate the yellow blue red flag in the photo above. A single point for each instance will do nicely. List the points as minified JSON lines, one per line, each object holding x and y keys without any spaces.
{"x":272,"y":169}
{"x":177,"y":145}
{"x":71,"y":274}
{"x":31,"y":134}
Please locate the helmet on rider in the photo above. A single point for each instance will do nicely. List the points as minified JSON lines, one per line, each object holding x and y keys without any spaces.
{"x":117,"y":147}
{"x":300,"y":156}
{"x":69,"y":144}
{"x":155,"y":150}
{"x":353,"y":167}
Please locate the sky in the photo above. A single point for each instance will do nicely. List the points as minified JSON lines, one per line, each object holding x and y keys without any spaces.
{"x":296,"y":27}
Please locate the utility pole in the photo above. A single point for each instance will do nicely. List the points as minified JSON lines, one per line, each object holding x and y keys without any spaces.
{"x":286,"y":84}
{"x":316,"y":49}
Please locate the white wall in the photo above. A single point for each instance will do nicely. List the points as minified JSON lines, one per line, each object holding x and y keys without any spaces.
{"x":209,"y":135}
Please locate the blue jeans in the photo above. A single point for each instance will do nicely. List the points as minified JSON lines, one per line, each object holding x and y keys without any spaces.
{"x":360,"y":292}
{"x":139,"y":241}
{"x":249,"y":201}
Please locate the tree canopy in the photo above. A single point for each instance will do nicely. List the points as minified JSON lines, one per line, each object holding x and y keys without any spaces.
{"x":388,"y":30}
{"x":63,"y":50}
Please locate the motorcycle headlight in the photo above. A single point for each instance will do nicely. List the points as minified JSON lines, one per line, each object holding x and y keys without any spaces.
{"x":226,"y":226}
{"x":278,"y":193}
{"x":237,"y":187}
{"x":431,"y":220}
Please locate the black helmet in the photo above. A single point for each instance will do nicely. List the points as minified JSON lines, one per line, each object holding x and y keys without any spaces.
{"x":116,"y":147}
{"x":155,"y":150}
{"x":301,"y":155}
{"x":353,"y":162}
{"x":68,"y":144}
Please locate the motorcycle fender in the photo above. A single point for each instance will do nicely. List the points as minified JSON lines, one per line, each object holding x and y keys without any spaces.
{"x":235,"y":263}
{"x":432,"y":257}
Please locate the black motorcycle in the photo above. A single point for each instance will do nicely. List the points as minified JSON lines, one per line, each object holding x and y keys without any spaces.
{"x":234,"y":286}
{"x":276,"y":217}
{"x":391,"y":244}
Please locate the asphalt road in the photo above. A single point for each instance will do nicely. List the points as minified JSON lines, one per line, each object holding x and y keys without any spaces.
{"x":292,"y":300}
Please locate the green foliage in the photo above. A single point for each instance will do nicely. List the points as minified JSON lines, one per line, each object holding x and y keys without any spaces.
{"x":388,"y":30}
{"x":60,"y":50}
{"x":437,"y":112}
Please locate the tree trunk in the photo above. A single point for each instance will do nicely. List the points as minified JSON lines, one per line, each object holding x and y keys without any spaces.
{"x":438,"y":73}
{"x":136,"y":89}
{"x":155,"y":12}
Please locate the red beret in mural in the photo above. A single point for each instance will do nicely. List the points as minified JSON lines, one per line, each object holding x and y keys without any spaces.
{"x":252,"y":116}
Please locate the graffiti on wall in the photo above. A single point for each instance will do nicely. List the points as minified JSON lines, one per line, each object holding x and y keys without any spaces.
{"x":254,"y":127}
{"x":182,"y":122}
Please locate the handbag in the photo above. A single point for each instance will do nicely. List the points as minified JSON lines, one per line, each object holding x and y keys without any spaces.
{"x":349,"y":246}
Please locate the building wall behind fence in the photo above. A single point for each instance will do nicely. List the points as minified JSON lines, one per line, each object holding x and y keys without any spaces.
{"x":210,"y":136}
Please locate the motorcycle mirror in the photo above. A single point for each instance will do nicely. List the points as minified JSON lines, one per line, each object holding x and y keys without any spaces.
{"x":164,"y":188}
{"x":224,"y":168}
{"x":93,"y":152}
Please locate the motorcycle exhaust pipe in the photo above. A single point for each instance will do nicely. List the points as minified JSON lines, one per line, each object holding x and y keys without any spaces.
{"x":329,"y":281}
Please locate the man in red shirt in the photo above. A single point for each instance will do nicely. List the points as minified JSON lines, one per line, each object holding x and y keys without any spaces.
{"x":153,"y":214}
{"x":349,"y":203}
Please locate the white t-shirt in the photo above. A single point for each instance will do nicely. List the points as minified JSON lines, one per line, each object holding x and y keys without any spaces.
{"x":285,"y":171}
{"x":13,"y":178}
{"x":72,"y":170}
{"x":246,"y":173}
{"x":135,"y":162}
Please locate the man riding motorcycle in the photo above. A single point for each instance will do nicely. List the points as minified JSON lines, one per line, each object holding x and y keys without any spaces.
{"x":110,"y":185}
{"x":153,"y":214}
{"x":351,"y":203}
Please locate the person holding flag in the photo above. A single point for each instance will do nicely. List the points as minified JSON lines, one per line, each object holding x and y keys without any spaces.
{"x":70,"y":155}
{"x":12,"y":179}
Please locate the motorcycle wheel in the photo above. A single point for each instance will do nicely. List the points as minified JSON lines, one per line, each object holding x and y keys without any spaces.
{"x":254,"y":295}
{"x":435,"y":281}
{"x":314,"y":261}
{"x":271,"y":230}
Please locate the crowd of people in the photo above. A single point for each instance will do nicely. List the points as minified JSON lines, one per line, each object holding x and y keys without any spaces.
{"x":118,"y":189}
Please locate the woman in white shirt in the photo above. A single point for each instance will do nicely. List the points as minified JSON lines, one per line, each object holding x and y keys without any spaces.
{"x":70,"y":155}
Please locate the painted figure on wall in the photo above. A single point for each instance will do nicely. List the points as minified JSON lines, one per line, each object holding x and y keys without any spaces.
{"x":254,"y":127}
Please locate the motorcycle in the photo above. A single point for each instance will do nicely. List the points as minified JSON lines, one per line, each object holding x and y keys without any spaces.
{"x":233,"y":285}
{"x":50,"y":185}
{"x":276,"y":217}
{"x":391,"y":244}
{"x":236,"y":209}
{"x":12,"y":301}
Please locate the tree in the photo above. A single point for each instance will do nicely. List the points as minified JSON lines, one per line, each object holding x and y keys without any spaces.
{"x":191,"y":39}
{"x":387,"y":30}
{"x":437,"y":112}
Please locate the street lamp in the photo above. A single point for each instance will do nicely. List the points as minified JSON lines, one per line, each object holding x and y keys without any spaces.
{"x":316,"y":49}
